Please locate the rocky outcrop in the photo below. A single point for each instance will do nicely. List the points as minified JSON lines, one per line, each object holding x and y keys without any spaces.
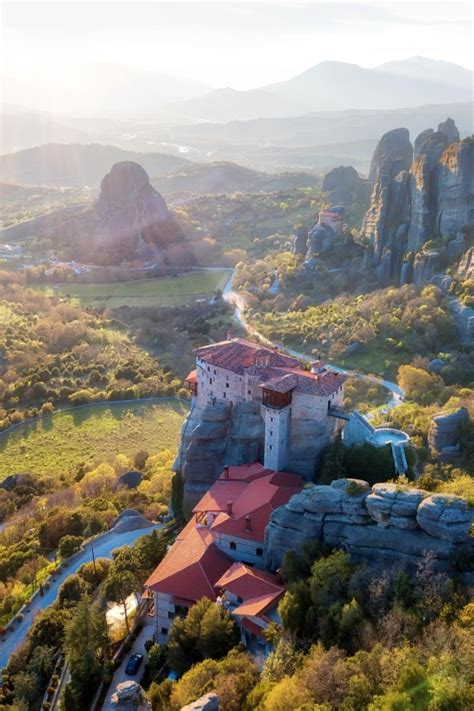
{"x":425,"y":266}
{"x":208,"y":702}
{"x":321,"y":240}
{"x":299,"y":241}
{"x":343,"y":185}
{"x":412,"y":204}
{"x":220,"y":434}
{"x":450,"y":130}
{"x":129,"y":222}
{"x":445,"y":517}
{"x":393,"y":154}
{"x":466,"y":265}
{"x":129,"y":696}
{"x":445,"y":431}
{"x":385,"y":526}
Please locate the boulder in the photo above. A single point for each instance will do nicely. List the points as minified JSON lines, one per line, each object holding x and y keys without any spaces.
{"x":389,"y":505}
{"x":208,"y":702}
{"x":425,"y":266}
{"x":450,"y":130}
{"x":129,"y":696}
{"x":445,"y":429}
{"x":130,"y":479}
{"x":446,"y":517}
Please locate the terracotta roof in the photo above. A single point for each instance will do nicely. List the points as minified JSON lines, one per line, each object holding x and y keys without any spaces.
{"x":258,"y":605}
{"x":256,"y":493}
{"x":192,"y":377}
{"x":249,"y":583}
{"x":191,"y":567}
{"x":281,"y":384}
{"x":239,"y":354}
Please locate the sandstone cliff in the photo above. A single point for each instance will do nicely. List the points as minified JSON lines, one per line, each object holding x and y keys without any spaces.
{"x":415,"y":202}
{"x":219,"y":434}
{"x":129,"y":222}
{"x":385,"y":525}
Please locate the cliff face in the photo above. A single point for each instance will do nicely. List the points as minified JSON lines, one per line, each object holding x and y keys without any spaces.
{"x":129,"y":222}
{"x":414,"y":202}
{"x":384,"y":526}
{"x":219,"y":434}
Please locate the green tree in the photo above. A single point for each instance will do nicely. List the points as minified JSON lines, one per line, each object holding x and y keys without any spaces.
{"x":118,"y":586}
{"x":208,"y":631}
{"x":71,"y":591}
{"x":48,"y":629}
{"x":84,"y":646}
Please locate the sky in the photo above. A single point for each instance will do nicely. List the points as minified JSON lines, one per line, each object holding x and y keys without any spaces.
{"x":237,"y":44}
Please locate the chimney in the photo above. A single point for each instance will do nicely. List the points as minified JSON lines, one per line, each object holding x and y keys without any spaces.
{"x":248,"y":523}
{"x":226,"y":472}
{"x":229,"y":508}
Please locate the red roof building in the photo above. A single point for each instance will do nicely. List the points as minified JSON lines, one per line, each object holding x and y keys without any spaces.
{"x":219,"y":553}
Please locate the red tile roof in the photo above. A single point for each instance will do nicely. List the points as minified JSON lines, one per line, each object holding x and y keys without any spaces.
{"x":257,"y":606}
{"x":192,"y":377}
{"x":239,"y":354}
{"x":256,"y":494}
{"x":248,"y":583}
{"x":280,"y":373}
{"x":191,"y":567}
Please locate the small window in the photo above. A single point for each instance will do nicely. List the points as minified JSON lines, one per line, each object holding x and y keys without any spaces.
{"x":208,"y":369}
{"x":233,"y":546}
{"x":171,"y":615}
{"x":271,"y":419}
{"x":224,"y":395}
{"x":239,"y":600}
{"x":259,"y":551}
{"x":249,"y":392}
{"x":164,"y":631}
{"x":227,"y":385}
{"x":210,"y":381}
{"x":271,"y":433}
{"x":271,"y":447}
{"x":215,"y":373}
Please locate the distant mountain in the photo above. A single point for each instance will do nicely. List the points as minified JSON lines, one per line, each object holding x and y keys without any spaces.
{"x":226,"y":177}
{"x":22,"y":129}
{"x":101,"y":89}
{"x":75,"y":164}
{"x":333,"y":86}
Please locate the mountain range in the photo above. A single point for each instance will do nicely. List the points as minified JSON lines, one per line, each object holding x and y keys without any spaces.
{"x":335,"y":86}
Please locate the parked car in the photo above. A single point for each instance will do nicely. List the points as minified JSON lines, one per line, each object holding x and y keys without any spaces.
{"x":133,"y":663}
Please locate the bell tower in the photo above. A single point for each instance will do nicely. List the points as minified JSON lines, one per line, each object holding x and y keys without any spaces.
{"x":276,"y":406}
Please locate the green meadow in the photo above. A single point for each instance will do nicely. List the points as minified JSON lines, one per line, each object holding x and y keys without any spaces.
{"x":58,"y":443}
{"x":164,"y":291}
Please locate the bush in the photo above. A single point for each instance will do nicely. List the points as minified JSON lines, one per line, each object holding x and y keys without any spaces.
{"x":68,"y":545}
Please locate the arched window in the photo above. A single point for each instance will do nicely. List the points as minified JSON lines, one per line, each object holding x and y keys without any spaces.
{"x":233,"y":545}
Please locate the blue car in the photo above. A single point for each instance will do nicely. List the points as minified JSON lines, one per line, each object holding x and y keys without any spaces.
{"x":133,"y":663}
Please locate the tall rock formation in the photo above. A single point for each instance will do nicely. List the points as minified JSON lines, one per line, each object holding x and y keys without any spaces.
{"x":129,"y":222}
{"x":414,"y":202}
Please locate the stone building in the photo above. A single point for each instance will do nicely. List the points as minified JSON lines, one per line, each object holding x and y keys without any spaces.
{"x":237,"y":371}
{"x":220,"y":553}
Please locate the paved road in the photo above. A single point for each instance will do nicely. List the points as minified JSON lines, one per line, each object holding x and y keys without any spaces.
{"x":238,"y":302}
{"x":103,"y":548}
{"x":138,"y":646}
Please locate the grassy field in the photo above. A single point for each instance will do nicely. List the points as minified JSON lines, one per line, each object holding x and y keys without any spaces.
{"x":165,"y":291}
{"x":57,"y":444}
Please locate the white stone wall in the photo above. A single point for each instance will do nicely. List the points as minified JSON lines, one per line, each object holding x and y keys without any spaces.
{"x":245,"y":550}
{"x":277,"y":435}
{"x":164,"y":606}
{"x":313,"y":407}
{"x":218,"y":383}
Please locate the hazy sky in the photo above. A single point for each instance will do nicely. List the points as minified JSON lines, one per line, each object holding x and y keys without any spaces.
{"x":238,"y":44}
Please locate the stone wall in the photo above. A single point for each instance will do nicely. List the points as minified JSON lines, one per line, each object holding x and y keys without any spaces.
{"x":385,"y":525}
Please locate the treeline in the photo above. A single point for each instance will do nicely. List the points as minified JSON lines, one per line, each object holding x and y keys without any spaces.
{"x":53,"y":352}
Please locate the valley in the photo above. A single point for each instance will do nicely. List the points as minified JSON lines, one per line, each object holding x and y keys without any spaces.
{"x":236,"y":358}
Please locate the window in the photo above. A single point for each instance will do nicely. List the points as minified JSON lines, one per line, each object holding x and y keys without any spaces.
{"x":171,"y":615}
{"x":233,"y":546}
{"x":208,"y":369}
{"x":259,"y":551}
{"x":210,"y":381}
{"x":239,"y":600}
{"x":271,"y":433}
{"x":271,"y":419}
{"x":249,"y":392}
{"x":227,"y":385}
{"x":271,"y":447}
{"x":164,"y":631}
{"x":224,"y":395}
{"x":215,"y":372}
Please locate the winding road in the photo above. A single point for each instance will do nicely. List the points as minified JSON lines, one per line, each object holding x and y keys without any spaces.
{"x":237,"y":300}
{"x":103,"y":548}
